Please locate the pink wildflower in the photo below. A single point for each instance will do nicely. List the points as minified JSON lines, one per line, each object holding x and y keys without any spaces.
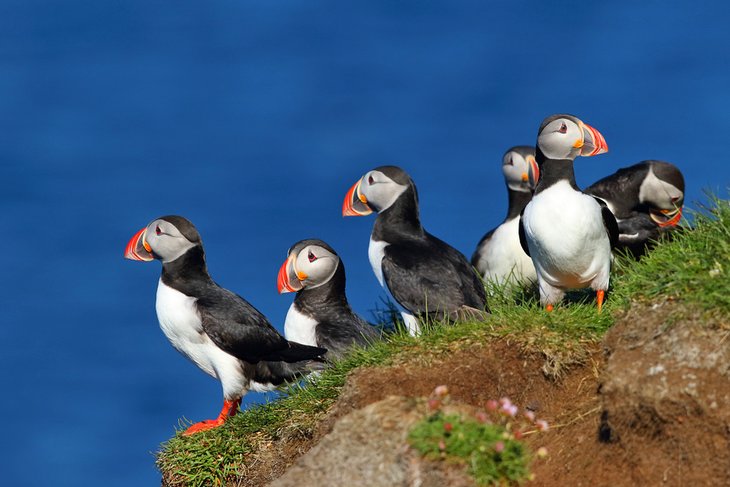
{"x":434,"y":404}
{"x":530,"y":415}
{"x":492,"y":405}
{"x":448,"y":427}
{"x":499,"y":447}
{"x":441,"y":391}
{"x":542,"y":425}
{"x":509,"y":409}
{"x":482,"y":417}
{"x":442,"y":445}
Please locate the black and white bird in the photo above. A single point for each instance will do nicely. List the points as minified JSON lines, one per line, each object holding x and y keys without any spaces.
{"x":568,"y":234}
{"x":499,"y":256}
{"x":646,"y":200}
{"x":215,"y":328}
{"x":320,"y":314}
{"x":427,"y":277}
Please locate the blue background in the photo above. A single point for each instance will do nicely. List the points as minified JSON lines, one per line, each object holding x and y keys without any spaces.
{"x":253,"y":120}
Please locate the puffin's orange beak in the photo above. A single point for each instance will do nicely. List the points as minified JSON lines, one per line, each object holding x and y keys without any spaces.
{"x":533,"y":172}
{"x":355,"y":203}
{"x":667,"y":218}
{"x":138,"y":248}
{"x":288,"y":281}
{"x":593,"y":142}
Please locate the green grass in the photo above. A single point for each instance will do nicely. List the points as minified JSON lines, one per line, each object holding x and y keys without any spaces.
{"x":691,"y":270}
{"x":490,"y":453}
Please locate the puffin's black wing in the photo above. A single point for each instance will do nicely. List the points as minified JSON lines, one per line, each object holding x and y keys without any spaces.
{"x":609,"y":221}
{"x":429,"y":276}
{"x":523,"y":239}
{"x":338,"y":335}
{"x":241,"y":330}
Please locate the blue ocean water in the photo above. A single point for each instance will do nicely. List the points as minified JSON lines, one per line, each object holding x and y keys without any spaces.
{"x":253,"y":119}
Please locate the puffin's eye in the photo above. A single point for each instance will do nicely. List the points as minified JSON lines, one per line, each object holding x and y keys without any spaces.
{"x":563,"y":128}
{"x":370,"y":180}
{"x":311,"y":256}
{"x":157,"y":230}
{"x":511,"y":162}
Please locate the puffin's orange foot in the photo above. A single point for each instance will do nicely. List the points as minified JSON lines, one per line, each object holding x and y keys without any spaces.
{"x":206,"y":425}
{"x":230,"y":408}
{"x":549,"y":307}
{"x":600,"y":294}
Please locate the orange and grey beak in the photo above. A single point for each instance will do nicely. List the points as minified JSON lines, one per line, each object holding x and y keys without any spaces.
{"x":355,"y":204}
{"x":138,"y":248}
{"x":593,"y":142}
{"x":666,"y":218}
{"x":289,"y":280}
{"x":533,"y":173}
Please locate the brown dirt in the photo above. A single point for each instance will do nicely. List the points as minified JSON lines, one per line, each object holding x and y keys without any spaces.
{"x":650,"y":406}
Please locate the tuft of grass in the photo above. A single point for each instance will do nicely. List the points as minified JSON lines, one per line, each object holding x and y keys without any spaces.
{"x":691,"y":269}
{"x":486,"y":441}
{"x":491,"y":456}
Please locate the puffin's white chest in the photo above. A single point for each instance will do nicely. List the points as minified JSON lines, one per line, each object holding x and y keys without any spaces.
{"x":181,"y":324}
{"x":300,"y":328}
{"x":502,"y":257}
{"x":568,"y":242}
{"x":376,"y":252}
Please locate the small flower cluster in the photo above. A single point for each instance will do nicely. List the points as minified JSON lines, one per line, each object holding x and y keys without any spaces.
{"x":490,"y":436}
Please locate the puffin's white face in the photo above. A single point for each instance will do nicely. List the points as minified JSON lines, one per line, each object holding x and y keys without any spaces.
{"x":373,"y":192}
{"x":159,"y":240}
{"x":664,"y":198}
{"x":520,"y":172}
{"x":660,"y":193}
{"x":307,"y":267}
{"x":567,"y":137}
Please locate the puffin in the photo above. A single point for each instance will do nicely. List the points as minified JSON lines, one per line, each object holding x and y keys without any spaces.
{"x":215,"y":328}
{"x":646,"y":200}
{"x":567,"y":233}
{"x":320,"y":315}
{"x":429,"y":279}
{"x":499,"y":257}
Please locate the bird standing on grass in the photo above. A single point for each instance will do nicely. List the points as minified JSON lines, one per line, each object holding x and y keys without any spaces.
{"x":499,"y":256}
{"x":215,"y":328}
{"x":427,"y":277}
{"x":320,"y":314}
{"x":568,"y":233}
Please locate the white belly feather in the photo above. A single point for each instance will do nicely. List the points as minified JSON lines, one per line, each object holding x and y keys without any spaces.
{"x":503,"y":258}
{"x":299,"y":327}
{"x":567,"y":239}
{"x":181,"y":324}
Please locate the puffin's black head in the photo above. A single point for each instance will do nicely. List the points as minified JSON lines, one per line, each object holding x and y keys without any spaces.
{"x":376,"y":191}
{"x":662,"y":191}
{"x":165,"y":239}
{"x":309,"y":264}
{"x":565,"y":136}
{"x":520,"y":168}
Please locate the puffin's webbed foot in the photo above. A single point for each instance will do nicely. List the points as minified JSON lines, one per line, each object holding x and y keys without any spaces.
{"x":230,"y":408}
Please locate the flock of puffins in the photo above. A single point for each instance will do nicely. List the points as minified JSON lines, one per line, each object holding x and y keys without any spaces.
{"x":554,"y":235}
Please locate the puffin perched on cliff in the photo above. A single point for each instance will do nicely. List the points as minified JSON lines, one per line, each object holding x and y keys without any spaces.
{"x":218,"y":330}
{"x":320,"y":314}
{"x":499,"y":256}
{"x":426,"y":276}
{"x":646,"y":200}
{"x":568,"y":234}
